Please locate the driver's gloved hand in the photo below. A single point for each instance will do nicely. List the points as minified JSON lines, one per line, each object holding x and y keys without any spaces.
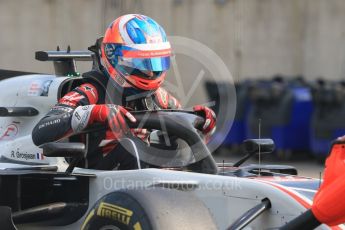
{"x":143,"y":134}
{"x":112,"y":115}
{"x":209,"y":125}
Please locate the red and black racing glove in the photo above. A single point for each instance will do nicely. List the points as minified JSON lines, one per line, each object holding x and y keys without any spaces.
{"x":143,"y":134}
{"x":112,"y":115}
{"x":209,"y":125}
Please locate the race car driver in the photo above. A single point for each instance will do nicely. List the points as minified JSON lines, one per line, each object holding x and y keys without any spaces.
{"x":134,"y":57}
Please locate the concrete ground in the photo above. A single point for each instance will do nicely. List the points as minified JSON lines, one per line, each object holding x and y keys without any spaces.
{"x":304,"y":163}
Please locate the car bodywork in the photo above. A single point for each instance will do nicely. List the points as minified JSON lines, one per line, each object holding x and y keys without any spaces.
{"x":40,"y":194}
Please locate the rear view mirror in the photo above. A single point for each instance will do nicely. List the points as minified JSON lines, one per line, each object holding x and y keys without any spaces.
{"x":56,"y":149}
{"x":76,"y":151}
{"x":254,"y":146}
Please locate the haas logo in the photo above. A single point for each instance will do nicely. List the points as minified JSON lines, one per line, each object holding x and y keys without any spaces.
{"x":10,"y":132}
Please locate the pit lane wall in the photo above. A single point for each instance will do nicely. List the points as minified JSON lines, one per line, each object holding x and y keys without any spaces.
{"x":253,"y":37}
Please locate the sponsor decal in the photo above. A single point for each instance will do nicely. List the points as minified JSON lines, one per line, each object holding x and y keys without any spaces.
{"x":34,"y":89}
{"x":10,"y":132}
{"x":49,"y":123}
{"x":119,"y":80}
{"x":146,"y":54}
{"x":90,"y":89}
{"x":17,"y":154}
{"x":154,"y":39}
{"x":66,"y":115}
{"x":74,"y":96}
{"x":115,"y":212}
{"x":80,"y":118}
{"x":85,"y":107}
{"x":39,"y":88}
{"x":61,"y":108}
{"x":137,"y":226}
{"x":76,"y":114}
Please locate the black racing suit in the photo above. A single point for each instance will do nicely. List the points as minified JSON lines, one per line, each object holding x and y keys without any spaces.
{"x":57,"y":123}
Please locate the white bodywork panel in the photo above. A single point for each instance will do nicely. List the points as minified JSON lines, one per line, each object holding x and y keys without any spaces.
{"x":37,"y":91}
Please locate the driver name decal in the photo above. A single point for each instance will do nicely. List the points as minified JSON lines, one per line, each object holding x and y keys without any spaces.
{"x":17,"y":154}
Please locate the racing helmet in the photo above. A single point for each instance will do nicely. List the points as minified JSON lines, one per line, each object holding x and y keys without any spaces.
{"x":135,"y":53}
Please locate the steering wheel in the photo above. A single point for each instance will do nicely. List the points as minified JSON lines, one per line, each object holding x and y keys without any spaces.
{"x":190,"y":150}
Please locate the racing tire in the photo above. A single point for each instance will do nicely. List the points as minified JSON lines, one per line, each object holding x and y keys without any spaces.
{"x":117,"y":211}
{"x":150,"y":208}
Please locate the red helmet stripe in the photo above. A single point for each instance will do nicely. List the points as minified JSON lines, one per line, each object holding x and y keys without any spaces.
{"x":112,"y":34}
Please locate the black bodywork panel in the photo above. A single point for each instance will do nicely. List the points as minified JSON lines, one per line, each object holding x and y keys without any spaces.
{"x":49,"y":198}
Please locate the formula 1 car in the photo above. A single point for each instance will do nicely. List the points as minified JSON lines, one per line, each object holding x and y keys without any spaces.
{"x":42,"y":188}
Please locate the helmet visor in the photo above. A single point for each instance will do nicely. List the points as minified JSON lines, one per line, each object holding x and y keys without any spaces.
{"x":146,"y":64}
{"x":145,"y":57}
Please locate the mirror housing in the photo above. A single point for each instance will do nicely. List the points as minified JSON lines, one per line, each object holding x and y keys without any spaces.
{"x":57,"y":149}
{"x":254,"y":146}
{"x":76,"y":151}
